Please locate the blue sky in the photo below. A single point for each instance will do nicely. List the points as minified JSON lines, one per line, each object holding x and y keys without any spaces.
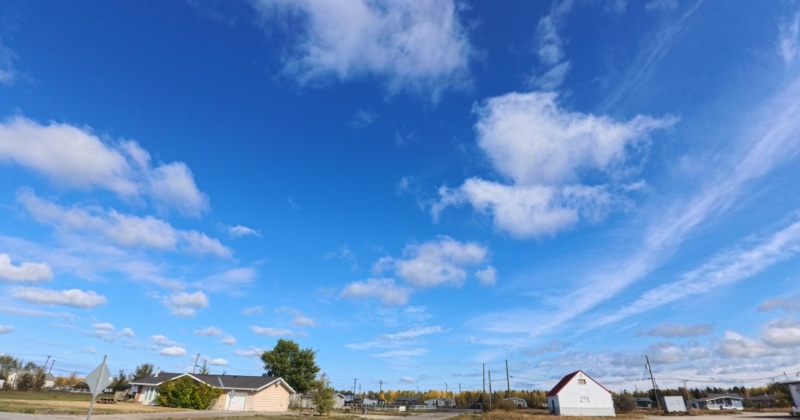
{"x":412,"y":188}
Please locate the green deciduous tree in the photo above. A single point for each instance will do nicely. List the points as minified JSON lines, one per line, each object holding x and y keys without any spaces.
{"x":322,"y":395}
{"x":295,"y":366}
{"x":185,"y":392}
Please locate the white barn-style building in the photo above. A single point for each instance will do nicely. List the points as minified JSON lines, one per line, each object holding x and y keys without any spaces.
{"x":577,"y":394}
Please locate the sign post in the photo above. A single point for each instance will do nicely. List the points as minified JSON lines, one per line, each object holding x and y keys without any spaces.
{"x":98,"y":380}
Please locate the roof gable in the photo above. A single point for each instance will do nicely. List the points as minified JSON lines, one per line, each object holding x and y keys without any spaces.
{"x":567,"y":379}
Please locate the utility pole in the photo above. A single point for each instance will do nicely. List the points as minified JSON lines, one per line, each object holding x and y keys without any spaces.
{"x":652,"y":379}
{"x":490,"y":390}
{"x":48,"y":360}
{"x":483,"y":395}
{"x":686,"y":388}
{"x":354,"y":387}
{"x":51,"y":366}
{"x":508,"y":382}
{"x":195,"y":362}
{"x":459,"y":389}
{"x":381,"y":386}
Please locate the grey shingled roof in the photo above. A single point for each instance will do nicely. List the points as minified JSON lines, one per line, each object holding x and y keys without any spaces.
{"x":229,"y":381}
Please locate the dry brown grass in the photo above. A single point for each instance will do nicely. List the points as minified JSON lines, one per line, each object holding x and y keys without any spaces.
{"x":535,"y":415}
{"x":61,"y":403}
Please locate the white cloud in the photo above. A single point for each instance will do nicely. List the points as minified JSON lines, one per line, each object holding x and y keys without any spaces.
{"x":229,"y":341}
{"x":415,"y":46}
{"x":401,"y":338}
{"x":789,"y":39}
{"x":675,"y":330}
{"x":253,"y":310}
{"x":487,"y":276}
{"x":173,"y":351}
{"x":75,"y":157}
{"x":123,"y":230}
{"x":7,"y":72}
{"x":782,"y":333}
{"x":209,"y":332}
{"x":737,"y":345}
{"x":551,"y":48}
{"x":239,"y":231}
{"x":363,"y":118}
{"x":543,"y":151}
{"x":250,"y":352}
{"x":103,"y":326}
{"x":661,"y":5}
{"x":383,"y":289}
{"x":722,"y":270}
{"x":400,"y":356}
{"x":232,"y":280}
{"x":271,"y":332}
{"x":298,"y":319}
{"x":438,"y":262}
{"x":408,"y":380}
{"x":789,"y":304}
{"x":90,"y":350}
{"x":218,"y":362}
{"x":162,"y":340}
{"x":127,"y":332}
{"x":6,"y":329}
{"x":72,"y":297}
{"x":25,"y":272}
{"x":187,"y":304}
{"x":665,"y":353}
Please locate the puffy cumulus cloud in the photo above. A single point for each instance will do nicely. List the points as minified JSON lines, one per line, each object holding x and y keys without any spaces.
{"x":77,"y":158}
{"x":72,"y":297}
{"x":217,"y":362}
{"x":127,"y":332}
{"x":229,"y":341}
{"x":789,"y":304}
{"x":173,"y":351}
{"x":120,"y":229}
{"x":6,"y":329}
{"x":665,"y":353}
{"x":162,"y":340}
{"x":25,"y":272}
{"x":186,"y":304}
{"x":674,"y":330}
{"x":544,"y":152}
{"x":487,"y":276}
{"x":782,"y":333}
{"x":415,"y":46}
{"x":383,"y":289}
{"x":249,"y":352}
{"x":271,"y":332}
{"x":209,"y":332}
{"x":239,"y":231}
{"x":298,"y":319}
{"x":551,"y":48}
{"x":409,"y":380}
{"x":103,"y":326}
{"x":439,"y":262}
{"x":736,"y":345}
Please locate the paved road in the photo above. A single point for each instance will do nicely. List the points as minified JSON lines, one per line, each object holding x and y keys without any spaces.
{"x":738,"y":416}
{"x":436,"y":415}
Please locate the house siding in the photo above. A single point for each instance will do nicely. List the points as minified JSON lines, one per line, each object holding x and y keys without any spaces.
{"x":576,"y":399}
{"x":271,"y":398}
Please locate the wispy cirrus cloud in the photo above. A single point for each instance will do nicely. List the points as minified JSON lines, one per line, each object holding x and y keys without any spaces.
{"x":273,"y":332}
{"x":75,"y":157}
{"x":674,"y":330}
{"x":420,"y":47}
{"x":789,"y":39}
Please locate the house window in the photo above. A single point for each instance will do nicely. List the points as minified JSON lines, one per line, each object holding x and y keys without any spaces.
{"x":581,"y":381}
{"x":584,"y":398}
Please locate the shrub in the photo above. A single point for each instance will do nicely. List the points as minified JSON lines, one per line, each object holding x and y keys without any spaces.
{"x":185,"y":392}
{"x":624,"y":404}
{"x":505,"y":405}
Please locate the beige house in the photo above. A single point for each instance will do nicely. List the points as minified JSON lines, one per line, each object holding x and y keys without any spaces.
{"x":240,"y":393}
{"x":14,"y":377}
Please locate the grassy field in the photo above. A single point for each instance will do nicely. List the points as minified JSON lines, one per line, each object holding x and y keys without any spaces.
{"x":66,"y":403}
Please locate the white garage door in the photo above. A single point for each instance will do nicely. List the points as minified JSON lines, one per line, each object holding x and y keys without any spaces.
{"x":238,"y":400}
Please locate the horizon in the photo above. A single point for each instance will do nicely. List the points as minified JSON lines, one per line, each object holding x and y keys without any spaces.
{"x":413,"y":189}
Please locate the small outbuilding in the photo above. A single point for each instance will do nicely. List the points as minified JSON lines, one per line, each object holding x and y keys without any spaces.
{"x":577,"y":394}
{"x":719,"y":402}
